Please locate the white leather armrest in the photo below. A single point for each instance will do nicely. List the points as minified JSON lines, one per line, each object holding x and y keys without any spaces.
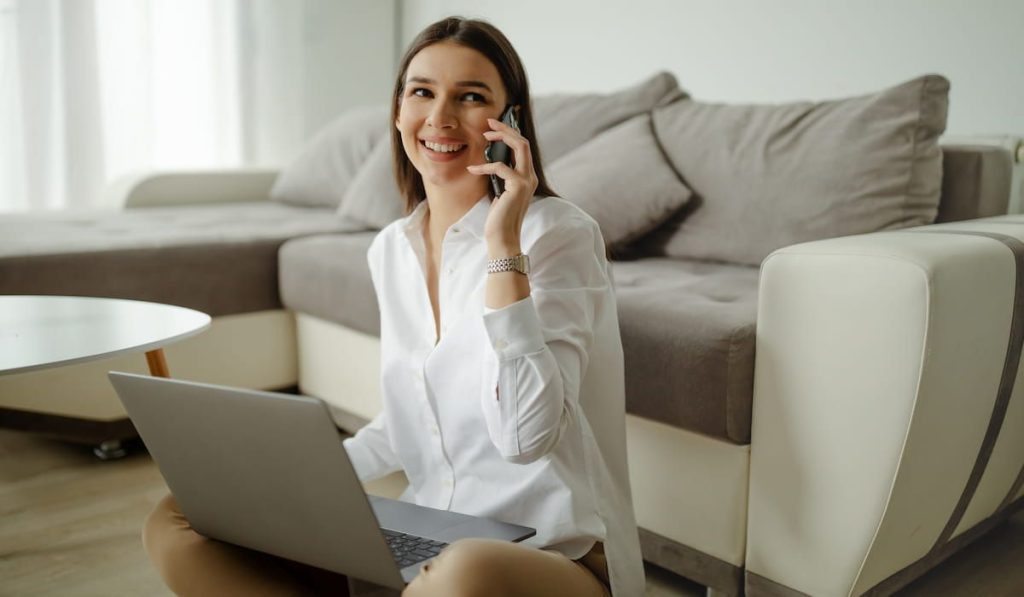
{"x":879,"y":360}
{"x":152,"y":189}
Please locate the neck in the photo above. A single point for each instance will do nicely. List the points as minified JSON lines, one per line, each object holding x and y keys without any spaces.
{"x":447,"y":205}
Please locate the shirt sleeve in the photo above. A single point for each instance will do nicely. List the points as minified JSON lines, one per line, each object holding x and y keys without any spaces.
{"x":371,"y":452}
{"x":538,"y":346}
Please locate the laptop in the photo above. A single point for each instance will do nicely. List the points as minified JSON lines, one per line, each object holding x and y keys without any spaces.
{"x":268,"y":471}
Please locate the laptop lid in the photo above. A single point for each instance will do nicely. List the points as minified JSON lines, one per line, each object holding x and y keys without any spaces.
{"x":262,"y":470}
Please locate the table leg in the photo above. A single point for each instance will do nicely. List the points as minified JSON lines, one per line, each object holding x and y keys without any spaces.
{"x":157,"y":363}
{"x":112,"y":449}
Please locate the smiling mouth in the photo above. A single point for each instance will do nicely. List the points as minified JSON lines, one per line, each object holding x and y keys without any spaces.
{"x":444,"y":148}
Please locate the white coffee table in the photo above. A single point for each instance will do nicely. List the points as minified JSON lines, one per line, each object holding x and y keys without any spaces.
{"x":39,"y":332}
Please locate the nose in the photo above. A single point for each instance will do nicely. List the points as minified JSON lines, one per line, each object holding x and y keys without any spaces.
{"x":442,"y":116}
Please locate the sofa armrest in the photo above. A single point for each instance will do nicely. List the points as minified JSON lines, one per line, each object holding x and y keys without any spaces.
{"x":882,"y":360}
{"x":156,"y":189}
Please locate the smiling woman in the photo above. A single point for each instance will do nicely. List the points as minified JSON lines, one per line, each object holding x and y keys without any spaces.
{"x":493,"y":78}
{"x":502,"y":380}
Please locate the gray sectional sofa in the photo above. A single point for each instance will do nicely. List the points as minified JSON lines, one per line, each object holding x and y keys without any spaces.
{"x":821,"y":310}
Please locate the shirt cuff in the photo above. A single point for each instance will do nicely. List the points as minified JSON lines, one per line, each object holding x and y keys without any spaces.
{"x":363,"y":461}
{"x":514,"y":330}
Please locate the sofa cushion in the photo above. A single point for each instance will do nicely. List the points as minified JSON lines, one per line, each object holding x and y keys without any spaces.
{"x":688,"y":331}
{"x":976,"y":182}
{"x":328,"y":164}
{"x":777,"y":175}
{"x":220,"y":258}
{"x":373,"y":200}
{"x":687,"y":327}
{"x":327,"y":276}
{"x":566,"y":121}
{"x":629,"y":199}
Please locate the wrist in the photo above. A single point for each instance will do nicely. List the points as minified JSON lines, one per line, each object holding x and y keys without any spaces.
{"x":500,"y":250}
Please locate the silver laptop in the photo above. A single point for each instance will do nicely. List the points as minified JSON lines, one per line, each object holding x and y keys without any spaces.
{"x":268,"y":471}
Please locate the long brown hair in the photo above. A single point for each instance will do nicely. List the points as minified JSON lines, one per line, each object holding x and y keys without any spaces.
{"x":492,"y":43}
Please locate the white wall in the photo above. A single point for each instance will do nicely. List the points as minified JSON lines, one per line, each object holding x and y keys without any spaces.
{"x":303,"y":63}
{"x":767,"y":51}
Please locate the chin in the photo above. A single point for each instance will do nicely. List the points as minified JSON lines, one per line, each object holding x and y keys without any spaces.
{"x":446,"y":179}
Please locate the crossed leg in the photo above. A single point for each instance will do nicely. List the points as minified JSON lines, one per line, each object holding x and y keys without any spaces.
{"x":478,"y":567}
{"x":191,"y":564}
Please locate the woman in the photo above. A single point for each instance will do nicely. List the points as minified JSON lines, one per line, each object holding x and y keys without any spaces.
{"x":498,"y":371}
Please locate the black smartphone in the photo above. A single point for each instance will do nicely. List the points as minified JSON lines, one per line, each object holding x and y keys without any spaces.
{"x":499,"y":152}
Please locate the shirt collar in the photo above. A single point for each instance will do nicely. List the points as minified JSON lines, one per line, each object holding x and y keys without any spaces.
{"x":472,"y":221}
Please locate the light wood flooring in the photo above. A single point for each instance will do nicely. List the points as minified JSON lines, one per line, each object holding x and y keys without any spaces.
{"x":69,"y":525}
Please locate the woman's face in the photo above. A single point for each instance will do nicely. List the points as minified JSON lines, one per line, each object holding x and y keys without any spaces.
{"x":450,"y":92}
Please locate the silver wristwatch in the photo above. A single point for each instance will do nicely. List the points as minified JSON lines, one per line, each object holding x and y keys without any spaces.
{"x":516,"y":263}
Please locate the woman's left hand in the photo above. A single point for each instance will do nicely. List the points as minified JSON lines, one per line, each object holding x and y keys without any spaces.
{"x":505,"y":218}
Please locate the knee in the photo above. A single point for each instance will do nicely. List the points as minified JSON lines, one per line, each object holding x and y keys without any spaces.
{"x":168,"y":539}
{"x":466,"y":568}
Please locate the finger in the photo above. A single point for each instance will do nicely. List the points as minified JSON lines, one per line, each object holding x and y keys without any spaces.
{"x":501,"y":126}
{"x":497,"y":168}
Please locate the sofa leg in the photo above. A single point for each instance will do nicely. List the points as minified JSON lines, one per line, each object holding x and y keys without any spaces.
{"x":713,"y":592}
{"x":110,"y":449}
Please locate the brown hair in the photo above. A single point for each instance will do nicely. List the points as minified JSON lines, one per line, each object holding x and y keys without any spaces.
{"x":486,"y":39}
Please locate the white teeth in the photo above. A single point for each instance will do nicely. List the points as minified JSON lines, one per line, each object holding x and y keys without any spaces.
{"x":442,"y":148}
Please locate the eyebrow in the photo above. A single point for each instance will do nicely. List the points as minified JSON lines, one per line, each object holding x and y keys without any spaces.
{"x":480,"y":84}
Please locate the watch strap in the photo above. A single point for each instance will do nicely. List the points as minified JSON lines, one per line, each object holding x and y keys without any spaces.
{"x":516,"y":263}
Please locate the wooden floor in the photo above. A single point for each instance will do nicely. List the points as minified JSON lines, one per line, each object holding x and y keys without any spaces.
{"x":69,"y":525}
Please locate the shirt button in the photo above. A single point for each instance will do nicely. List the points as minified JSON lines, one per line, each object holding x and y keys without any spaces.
{"x":501,"y":344}
{"x":451,"y":270}
{"x":435,"y":431}
{"x":455,"y":229}
{"x":448,"y":482}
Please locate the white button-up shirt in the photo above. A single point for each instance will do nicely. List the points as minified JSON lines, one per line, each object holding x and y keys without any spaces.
{"x":500,"y":417}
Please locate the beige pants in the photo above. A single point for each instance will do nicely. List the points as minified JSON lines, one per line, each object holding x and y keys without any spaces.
{"x":191,"y":564}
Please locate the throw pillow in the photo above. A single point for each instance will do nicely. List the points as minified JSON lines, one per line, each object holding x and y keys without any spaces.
{"x":566,"y":121}
{"x":328,"y":164}
{"x":373,"y":200}
{"x":622,"y":180}
{"x":765,"y":177}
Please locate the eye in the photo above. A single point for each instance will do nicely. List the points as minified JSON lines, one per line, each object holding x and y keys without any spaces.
{"x":420,"y":92}
{"x":473,"y":96}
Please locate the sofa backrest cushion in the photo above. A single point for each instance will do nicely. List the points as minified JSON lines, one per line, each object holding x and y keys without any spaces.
{"x":566,"y":121}
{"x":976,"y":182}
{"x":768,"y":176}
{"x":373,"y":200}
{"x":327,"y":166}
{"x":621,"y":179}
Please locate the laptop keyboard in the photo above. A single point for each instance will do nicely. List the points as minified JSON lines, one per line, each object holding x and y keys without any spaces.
{"x":410,"y":549}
